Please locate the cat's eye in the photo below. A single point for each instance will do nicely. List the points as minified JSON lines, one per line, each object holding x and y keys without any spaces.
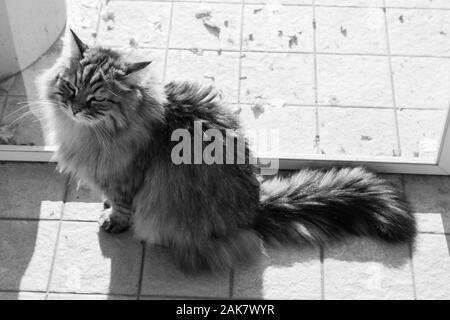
{"x":96,"y":99}
{"x":69,"y":86}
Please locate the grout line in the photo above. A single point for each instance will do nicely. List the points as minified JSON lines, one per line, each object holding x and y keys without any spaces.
{"x":413,"y":277}
{"x":327,"y":105}
{"x":231,"y":288}
{"x":300,"y":5}
{"x":367,"y":54}
{"x":241,"y":55}
{"x":169,"y":33}
{"x":316,"y":89}
{"x":322,"y":273}
{"x":391,"y":77}
{"x":99,"y":17}
{"x":141,"y":270}
{"x":58,"y":232}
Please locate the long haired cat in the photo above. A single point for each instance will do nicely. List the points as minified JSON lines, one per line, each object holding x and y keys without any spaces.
{"x":112,"y":129}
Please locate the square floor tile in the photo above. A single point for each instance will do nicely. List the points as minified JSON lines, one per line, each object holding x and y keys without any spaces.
{"x":419,"y":32}
{"x":26,"y":251}
{"x":418,"y":3}
{"x":82,"y":17}
{"x":293,"y":127}
{"x":429,"y":194}
{"x":68,"y":296}
{"x":91,"y":261}
{"x":161,"y":277}
{"x":288,"y":29}
{"x":366,"y":269}
{"x":208,"y":68}
{"x":135,"y":23}
{"x":359,"y":3}
{"x":82,"y":203}
{"x":430,"y":222}
{"x":24,"y":119}
{"x":354,"y":80}
{"x":30,"y":190}
{"x":421,"y":82}
{"x":357,"y":132}
{"x":274,"y":5}
{"x":431,"y":261}
{"x":188,"y":31}
{"x":351,"y":30}
{"x":280,"y":274}
{"x":288,"y":77}
{"x":420,"y":132}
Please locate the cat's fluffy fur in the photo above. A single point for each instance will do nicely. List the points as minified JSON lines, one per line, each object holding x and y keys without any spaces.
{"x":209,"y":216}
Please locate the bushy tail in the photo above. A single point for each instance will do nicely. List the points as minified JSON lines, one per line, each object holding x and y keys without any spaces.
{"x":318,"y":206}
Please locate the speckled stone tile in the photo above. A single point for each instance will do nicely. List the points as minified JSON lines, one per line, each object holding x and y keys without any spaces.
{"x":82,"y":17}
{"x":365,"y":269}
{"x":351,"y":30}
{"x":190,"y":32}
{"x":294,"y":126}
{"x":280,"y":273}
{"x":421,"y":82}
{"x":68,"y":296}
{"x":208,"y":68}
{"x":22,"y":117}
{"x":221,"y":1}
{"x":354,"y":80}
{"x":30,"y":190}
{"x":287,"y":29}
{"x":420,"y":132}
{"x":82,"y":203}
{"x":359,"y":3}
{"x":275,"y":4}
{"x":357,"y":132}
{"x":288,"y":77}
{"x":161,"y":277}
{"x":431,"y":261}
{"x":135,"y":23}
{"x":419,"y":32}
{"x":418,"y":3}
{"x":22,"y":295}
{"x":429,"y":194}
{"x":91,"y":261}
{"x":26,"y":251}
{"x":430,"y":222}
{"x":25,"y":82}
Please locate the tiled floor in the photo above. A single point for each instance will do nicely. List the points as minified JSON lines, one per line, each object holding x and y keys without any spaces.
{"x":51,"y":248}
{"x":360,"y":77}
{"x":370,"y":79}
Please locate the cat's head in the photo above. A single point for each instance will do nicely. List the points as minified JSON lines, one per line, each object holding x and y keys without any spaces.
{"x":97,"y":84}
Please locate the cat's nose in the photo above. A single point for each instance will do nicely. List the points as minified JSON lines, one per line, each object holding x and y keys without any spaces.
{"x":75,"y":110}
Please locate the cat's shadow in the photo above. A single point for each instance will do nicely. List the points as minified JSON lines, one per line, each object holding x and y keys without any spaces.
{"x":298,"y":269}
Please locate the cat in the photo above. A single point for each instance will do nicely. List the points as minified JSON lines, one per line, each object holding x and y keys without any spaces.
{"x":112,"y":129}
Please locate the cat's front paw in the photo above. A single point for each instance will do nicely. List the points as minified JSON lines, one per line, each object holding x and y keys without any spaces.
{"x":114,"y":222}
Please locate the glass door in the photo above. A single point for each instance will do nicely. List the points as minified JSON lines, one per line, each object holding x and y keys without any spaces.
{"x":339,"y":82}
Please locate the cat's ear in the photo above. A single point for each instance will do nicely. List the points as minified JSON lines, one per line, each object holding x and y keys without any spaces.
{"x":80,"y":46}
{"x":134,"y":67}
